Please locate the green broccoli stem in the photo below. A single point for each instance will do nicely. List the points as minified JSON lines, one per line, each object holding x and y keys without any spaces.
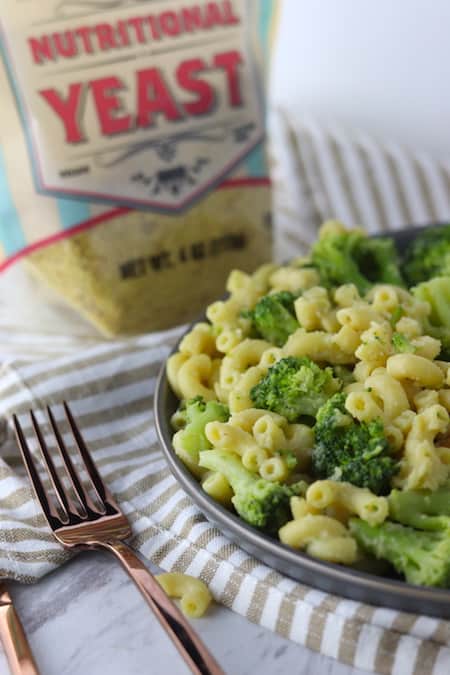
{"x":230,"y":465}
{"x":423,"y":557}
{"x":261,"y":503}
{"x":421,"y":509}
{"x":197,"y":413}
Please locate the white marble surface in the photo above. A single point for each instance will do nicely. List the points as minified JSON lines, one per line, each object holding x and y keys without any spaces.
{"x":88,"y":619}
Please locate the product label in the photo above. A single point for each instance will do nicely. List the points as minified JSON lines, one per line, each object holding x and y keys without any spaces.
{"x":146,"y":104}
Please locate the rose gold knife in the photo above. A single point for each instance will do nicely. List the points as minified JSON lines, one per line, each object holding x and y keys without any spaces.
{"x":12,"y":636}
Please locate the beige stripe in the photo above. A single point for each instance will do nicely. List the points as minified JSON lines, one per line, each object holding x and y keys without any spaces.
{"x":5,"y":472}
{"x":377,"y":196}
{"x":302,"y":169}
{"x":88,"y":388}
{"x":67,"y":368}
{"x":17,"y":498}
{"x":6,"y":573}
{"x":403,"y":622}
{"x":344,"y":179}
{"x":138,"y":540}
{"x":257,"y":602}
{"x":20,"y":534}
{"x":317,"y":623}
{"x":442,"y":633}
{"x":103,"y":416}
{"x":426,"y":657}
{"x":163,"y":551}
{"x":143,"y":485}
{"x":96,"y":387}
{"x":167,"y":522}
{"x":400,"y":192}
{"x":313,"y":168}
{"x":125,"y":470}
{"x":37,"y":521}
{"x":285,"y":617}
{"x":187,"y":556}
{"x":427,"y":194}
{"x":46,"y":555}
{"x":386,"y":651}
{"x":351,"y":632}
{"x":209,"y":571}
{"x":234,"y":584}
{"x":128,"y":456}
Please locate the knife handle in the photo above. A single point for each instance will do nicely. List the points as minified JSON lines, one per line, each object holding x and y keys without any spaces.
{"x":15,"y":643}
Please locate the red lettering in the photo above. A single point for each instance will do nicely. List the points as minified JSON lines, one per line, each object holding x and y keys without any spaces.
{"x":154,"y":28}
{"x":137,"y":22}
{"x":105,"y":36}
{"x":230,"y":18}
{"x":67,"y":110}
{"x":169,"y":23}
{"x":41,"y":49}
{"x":186,"y":72}
{"x":213,"y":16}
{"x":153,"y":96}
{"x":230,"y":61}
{"x":108,"y":105}
{"x":85,"y":34}
{"x":192,"y":19}
{"x":65,"y":44}
{"x":123,"y":33}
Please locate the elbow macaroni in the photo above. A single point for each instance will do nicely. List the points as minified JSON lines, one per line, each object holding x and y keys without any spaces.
{"x":409,"y":392}
{"x":194,"y":595}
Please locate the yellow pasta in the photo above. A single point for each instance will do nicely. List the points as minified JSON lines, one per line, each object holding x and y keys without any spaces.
{"x":336,"y":543}
{"x":274,"y":469}
{"x":200,"y":340}
{"x":216,"y":486}
{"x":194,"y":595}
{"x":398,"y":386}
{"x":361,"y":501}
{"x":193,"y":377}
{"x":416,"y":368}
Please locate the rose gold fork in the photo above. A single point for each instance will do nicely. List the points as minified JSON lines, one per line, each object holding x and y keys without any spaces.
{"x":99,"y":523}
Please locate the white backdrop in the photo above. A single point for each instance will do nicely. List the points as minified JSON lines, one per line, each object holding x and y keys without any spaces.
{"x":379,"y":65}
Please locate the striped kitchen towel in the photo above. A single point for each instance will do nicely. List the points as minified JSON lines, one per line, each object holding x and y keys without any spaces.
{"x":322,"y":171}
{"x":110,"y":387}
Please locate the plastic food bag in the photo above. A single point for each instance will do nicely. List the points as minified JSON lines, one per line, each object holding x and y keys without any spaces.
{"x":132,"y":166}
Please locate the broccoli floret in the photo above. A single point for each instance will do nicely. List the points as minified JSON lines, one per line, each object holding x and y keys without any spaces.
{"x":294,"y":387}
{"x":437,"y":293}
{"x":193,"y":416}
{"x":428,"y":255}
{"x":422,"y":509}
{"x":422,"y":557}
{"x":402,"y":344}
{"x":259,"y":502}
{"x":347,"y":450}
{"x":351,"y":257}
{"x":273,"y":317}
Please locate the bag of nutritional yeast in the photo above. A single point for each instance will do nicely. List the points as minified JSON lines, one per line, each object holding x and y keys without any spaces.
{"x":132,"y":167}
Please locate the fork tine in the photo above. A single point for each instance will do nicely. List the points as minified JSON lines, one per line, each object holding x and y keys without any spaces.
{"x":102,"y":491}
{"x":83,"y":497}
{"x":60,"y":491}
{"x":39,"y":490}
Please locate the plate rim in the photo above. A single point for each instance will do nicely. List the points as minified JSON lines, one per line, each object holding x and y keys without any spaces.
{"x":353,"y":584}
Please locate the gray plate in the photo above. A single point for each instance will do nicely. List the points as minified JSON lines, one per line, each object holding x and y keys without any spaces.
{"x":328,"y":577}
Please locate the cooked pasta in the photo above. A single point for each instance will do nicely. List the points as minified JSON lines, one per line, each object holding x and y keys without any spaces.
{"x":313,"y":435}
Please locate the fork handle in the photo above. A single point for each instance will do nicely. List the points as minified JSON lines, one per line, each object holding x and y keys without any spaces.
{"x":186,"y":640}
{"x":12,"y":636}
